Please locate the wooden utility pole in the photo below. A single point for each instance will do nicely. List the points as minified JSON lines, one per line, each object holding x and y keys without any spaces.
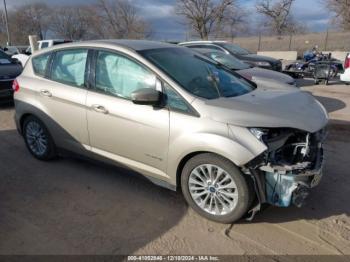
{"x":326,"y":41}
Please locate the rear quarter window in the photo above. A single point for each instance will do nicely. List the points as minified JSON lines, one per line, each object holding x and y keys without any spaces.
{"x":40,"y":64}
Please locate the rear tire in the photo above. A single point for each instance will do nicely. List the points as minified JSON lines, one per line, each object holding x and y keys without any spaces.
{"x":215,"y":188}
{"x":38,"y":139}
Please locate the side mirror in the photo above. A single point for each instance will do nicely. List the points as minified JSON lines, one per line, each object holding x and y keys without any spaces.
{"x":146,"y":96}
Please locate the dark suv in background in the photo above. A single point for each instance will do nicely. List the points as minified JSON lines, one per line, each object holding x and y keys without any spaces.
{"x":238,"y":52}
{"x":9,"y":70}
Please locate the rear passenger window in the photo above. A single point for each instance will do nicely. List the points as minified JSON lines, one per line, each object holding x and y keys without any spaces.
{"x":69,"y":67}
{"x":40,"y":64}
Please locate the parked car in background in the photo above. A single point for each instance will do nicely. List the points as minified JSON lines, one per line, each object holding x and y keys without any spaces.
{"x":9,"y":70}
{"x":345,"y":77}
{"x":238,"y":52}
{"x":14,"y":50}
{"x":263,"y":77}
{"x":23,"y":57}
{"x":176,"y":117}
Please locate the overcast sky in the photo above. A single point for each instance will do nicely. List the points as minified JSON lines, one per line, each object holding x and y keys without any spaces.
{"x":167,"y":26}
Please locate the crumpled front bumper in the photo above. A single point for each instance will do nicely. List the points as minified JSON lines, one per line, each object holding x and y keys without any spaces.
{"x":292,"y":186}
{"x":284,"y":182}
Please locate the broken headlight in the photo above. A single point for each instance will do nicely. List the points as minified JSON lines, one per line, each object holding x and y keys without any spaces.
{"x":259,"y":133}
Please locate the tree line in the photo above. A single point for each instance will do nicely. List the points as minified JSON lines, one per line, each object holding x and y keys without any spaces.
{"x":122,"y":19}
{"x":104,"y":19}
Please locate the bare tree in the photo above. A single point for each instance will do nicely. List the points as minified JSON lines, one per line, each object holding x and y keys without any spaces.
{"x":234,"y":23}
{"x":341,"y":10}
{"x":277,"y":14}
{"x":29,"y":19}
{"x":205,"y":16}
{"x":120,"y":19}
{"x":71,"y":22}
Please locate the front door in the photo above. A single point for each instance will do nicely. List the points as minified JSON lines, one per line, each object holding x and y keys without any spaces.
{"x":134,"y":135}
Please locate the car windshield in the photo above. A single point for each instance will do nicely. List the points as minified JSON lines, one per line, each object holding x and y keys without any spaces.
{"x":228,"y":60}
{"x":235,"y":49}
{"x":197,"y":74}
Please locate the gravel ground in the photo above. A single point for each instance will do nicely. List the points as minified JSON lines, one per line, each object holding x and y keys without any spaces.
{"x":71,"y":206}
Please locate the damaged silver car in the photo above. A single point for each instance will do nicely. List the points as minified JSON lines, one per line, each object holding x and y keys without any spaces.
{"x":178,"y":118}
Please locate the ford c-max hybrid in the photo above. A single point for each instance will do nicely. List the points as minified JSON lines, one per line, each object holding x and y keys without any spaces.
{"x":176,"y":117}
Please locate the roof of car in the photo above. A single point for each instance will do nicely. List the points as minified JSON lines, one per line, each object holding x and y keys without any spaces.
{"x":201,"y":42}
{"x":207,"y":50}
{"x":134,"y":45}
{"x":139,"y":45}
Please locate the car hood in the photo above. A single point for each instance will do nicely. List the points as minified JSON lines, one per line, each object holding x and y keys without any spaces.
{"x":270,"y":109}
{"x":266,"y":74}
{"x":254,"y":57}
{"x":10,"y":71}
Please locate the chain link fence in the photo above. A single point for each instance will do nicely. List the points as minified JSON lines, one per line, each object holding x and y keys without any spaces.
{"x":327,"y":41}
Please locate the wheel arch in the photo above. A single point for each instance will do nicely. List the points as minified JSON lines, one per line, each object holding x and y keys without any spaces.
{"x":183,"y":149}
{"x":23,"y":118}
{"x":182,"y":164}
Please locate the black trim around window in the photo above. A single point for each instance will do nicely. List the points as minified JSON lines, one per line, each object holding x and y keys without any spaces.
{"x":89,"y":69}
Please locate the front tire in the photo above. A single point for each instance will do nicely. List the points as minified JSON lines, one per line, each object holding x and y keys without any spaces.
{"x":215,"y":188}
{"x":38,"y":139}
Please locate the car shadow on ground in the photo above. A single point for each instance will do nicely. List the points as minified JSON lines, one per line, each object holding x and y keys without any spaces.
{"x":331,"y":104}
{"x":71,"y":206}
{"x":305,"y":82}
{"x":6,"y":104}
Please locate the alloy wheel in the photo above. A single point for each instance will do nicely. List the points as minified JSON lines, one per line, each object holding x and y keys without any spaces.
{"x":36,"y":138}
{"x":213,"y":189}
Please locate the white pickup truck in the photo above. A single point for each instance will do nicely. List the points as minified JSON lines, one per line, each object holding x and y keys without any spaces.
{"x":23,"y":58}
{"x":345,"y":77}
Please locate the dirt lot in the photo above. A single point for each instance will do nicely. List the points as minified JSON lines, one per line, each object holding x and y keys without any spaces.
{"x":70,"y":206}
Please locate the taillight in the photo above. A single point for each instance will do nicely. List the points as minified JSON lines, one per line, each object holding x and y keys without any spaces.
{"x":347,"y":61}
{"x":15,"y":85}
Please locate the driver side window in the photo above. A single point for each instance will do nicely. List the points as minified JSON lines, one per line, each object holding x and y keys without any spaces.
{"x":120,"y":76}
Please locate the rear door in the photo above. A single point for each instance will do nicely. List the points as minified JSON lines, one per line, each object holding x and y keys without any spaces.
{"x":63,"y":97}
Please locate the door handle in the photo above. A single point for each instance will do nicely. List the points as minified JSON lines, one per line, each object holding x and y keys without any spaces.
{"x":100,"y":109}
{"x":46,"y":93}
